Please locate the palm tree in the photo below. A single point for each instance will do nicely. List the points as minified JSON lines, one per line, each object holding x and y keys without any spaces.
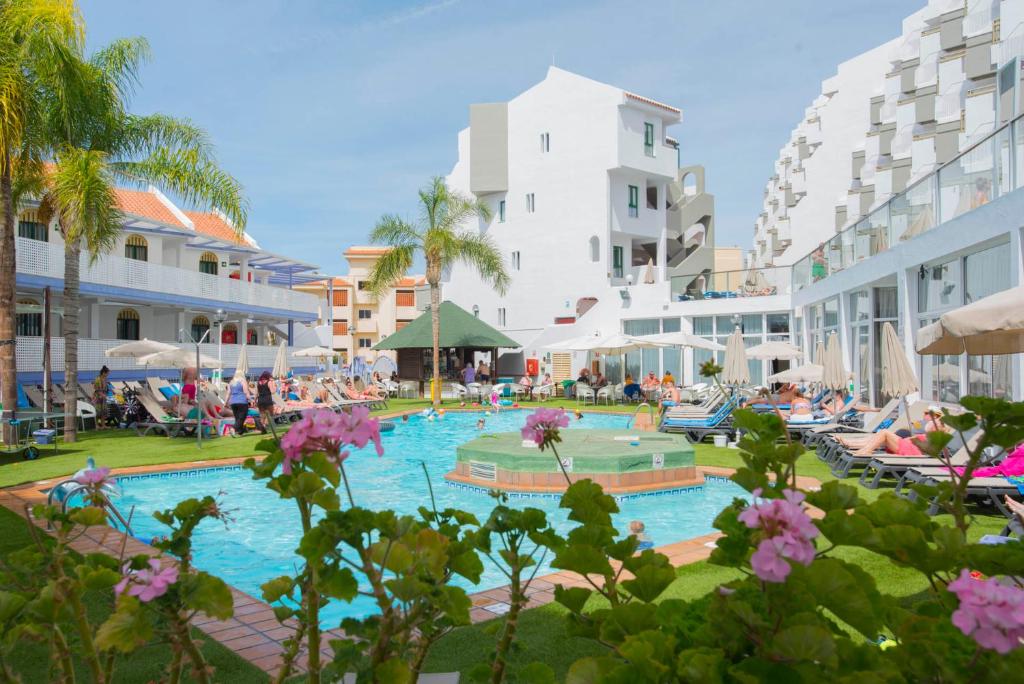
{"x":38,"y":40}
{"x":438,"y":235}
{"x":105,"y":144}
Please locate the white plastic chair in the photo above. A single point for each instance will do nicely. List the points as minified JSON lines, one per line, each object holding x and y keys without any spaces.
{"x":584,"y":393}
{"x":517,"y":390}
{"x":86,"y":411}
{"x":474,"y":390}
{"x":544,"y":392}
{"x":607,"y":394}
{"x":617,"y":393}
{"x":455,"y":390}
{"x":409,"y":389}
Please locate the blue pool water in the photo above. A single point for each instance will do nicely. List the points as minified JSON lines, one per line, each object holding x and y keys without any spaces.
{"x":260,"y":541}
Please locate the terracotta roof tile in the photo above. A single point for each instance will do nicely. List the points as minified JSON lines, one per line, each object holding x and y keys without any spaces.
{"x":367,"y":251}
{"x":653,"y":103}
{"x":145,"y":205}
{"x":209,"y":223}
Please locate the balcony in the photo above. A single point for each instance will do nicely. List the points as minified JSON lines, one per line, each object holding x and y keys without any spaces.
{"x":157,"y":281}
{"x":753,"y":282}
{"x":91,"y":357}
{"x":989,"y":169}
{"x":366,"y":325}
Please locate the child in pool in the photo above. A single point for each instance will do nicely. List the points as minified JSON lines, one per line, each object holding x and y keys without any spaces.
{"x":405,"y":417}
{"x":579,"y":414}
{"x":480,"y":424}
{"x":636,"y":528}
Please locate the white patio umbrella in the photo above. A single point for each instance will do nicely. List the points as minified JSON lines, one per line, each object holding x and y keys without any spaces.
{"x":993,"y":325}
{"x":736,"y":370}
{"x":281,"y":361}
{"x":242,"y":365}
{"x":898,"y":377}
{"x":768,"y":351}
{"x":809,"y":372}
{"x":178,"y":358}
{"x":138,"y":348}
{"x":834,"y":375}
{"x":649,"y":273}
{"x":314,"y":352}
{"x":614,"y":344}
{"x":681,"y":339}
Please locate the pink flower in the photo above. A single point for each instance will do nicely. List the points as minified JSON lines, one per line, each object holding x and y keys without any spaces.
{"x":148,"y":584}
{"x":96,"y":477}
{"x":542,"y":425}
{"x":323,"y":430}
{"x":991,"y":612}
{"x":787,"y":534}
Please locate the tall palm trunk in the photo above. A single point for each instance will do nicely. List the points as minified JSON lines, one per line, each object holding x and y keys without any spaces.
{"x":72,"y":261}
{"x":8,"y":370}
{"x":435,"y":329}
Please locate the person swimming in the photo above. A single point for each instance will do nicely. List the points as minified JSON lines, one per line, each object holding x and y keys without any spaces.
{"x":579,"y":414}
{"x":480,"y":424}
{"x":637,"y":529}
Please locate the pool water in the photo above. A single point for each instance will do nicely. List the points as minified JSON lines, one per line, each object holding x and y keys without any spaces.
{"x":259,"y":543}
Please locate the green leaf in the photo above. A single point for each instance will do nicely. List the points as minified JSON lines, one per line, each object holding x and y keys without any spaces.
{"x":627,"y":619}
{"x":339,"y":583}
{"x":208,"y":594}
{"x":89,"y":516}
{"x":847,"y":591}
{"x":583,"y":559}
{"x":807,"y":643}
{"x":701,"y":665}
{"x":306,"y":485}
{"x":573,"y":598}
{"x":275,"y":589}
{"x":10,"y":605}
{"x":326,"y":499}
{"x":536,"y":673}
{"x":650,"y":580}
{"x":127,"y":628}
{"x":587,"y":503}
{"x":392,"y":671}
{"x":590,"y":670}
{"x":834,"y":496}
{"x":467,"y":564}
{"x":98,"y":578}
{"x":283,"y":613}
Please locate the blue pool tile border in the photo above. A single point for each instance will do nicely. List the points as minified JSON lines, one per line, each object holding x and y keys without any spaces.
{"x":691,"y":489}
{"x":190,"y":472}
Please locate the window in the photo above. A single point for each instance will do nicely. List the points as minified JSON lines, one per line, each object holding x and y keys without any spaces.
{"x":341,"y":298}
{"x":649,"y":139}
{"x":340,"y":327}
{"x":501,"y":211}
{"x":545,"y":142}
{"x":128,"y":324}
{"x":617,"y":261}
{"x":595,"y":249}
{"x":136,"y":247}
{"x":362,"y":284}
{"x":365,"y":343}
{"x":251,"y":337}
{"x":365,"y":314}
{"x":501,"y":317}
{"x":778,"y":324}
{"x":634,"y":201}
{"x":405,"y":298}
{"x":29,"y":323}
{"x":531,"y":203}
{"x":200,"y":326}
{"x":515,"y":261}
{"x":208,"y":263}
{"x":32,"y":230}
{"x":652,"y":197}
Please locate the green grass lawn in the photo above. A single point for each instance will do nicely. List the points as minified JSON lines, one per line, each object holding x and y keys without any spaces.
{"x":542,"y":633}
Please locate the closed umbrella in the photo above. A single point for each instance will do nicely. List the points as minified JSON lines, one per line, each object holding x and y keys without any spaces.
{"x":769,"y":351}
{"x":736,"y":371}
{"x":138,"y":348}
{"x":834,"y":375}
{"x":819,"y":353}
{"x":649,"y":272}
{"x":242,"y":365}
{"x":898,"y":377}
{"x":281,"y":361}
{"x":179,"y":358}
{"x":993,"y":325}
{"x":809,"y":372}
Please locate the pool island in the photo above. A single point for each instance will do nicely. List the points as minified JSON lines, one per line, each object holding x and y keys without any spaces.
{"x":621,"y":461}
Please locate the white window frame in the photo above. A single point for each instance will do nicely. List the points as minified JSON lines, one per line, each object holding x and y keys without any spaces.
{"x":502,"y":317}
{"x":531,"y":203}
{"x":545,"y":142}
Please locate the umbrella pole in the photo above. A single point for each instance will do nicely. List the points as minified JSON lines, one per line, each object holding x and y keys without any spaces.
{"x":906,"y":411}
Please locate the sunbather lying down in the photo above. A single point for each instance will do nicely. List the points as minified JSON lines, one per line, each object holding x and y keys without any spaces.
{"x":1016,"y":507}
{"x":371,"y":391}
{"x":903,"y":442}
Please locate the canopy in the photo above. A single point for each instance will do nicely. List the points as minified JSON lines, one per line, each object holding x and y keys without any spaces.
{"x":314,"y":352}
{"x":736,"y":371}
{"x":834,"y":374}
{"x":993,"y":325}
{"x":137,"y":348}
{"x":242,"y":364}
{"x":809,"y":372}
{"x":178,"y":358}
{"x":898,"y":377}
{"x":281,"y":361}
{"x":614,"y":344}
{"x":682,"y":339}
{"x":459,"y":328}
{"x":774,"y":350}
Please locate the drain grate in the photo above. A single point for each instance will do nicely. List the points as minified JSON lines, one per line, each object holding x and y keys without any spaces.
{"x":483,"y":471}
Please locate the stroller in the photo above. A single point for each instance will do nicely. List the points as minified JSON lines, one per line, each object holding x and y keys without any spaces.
{"x":133,"y":411}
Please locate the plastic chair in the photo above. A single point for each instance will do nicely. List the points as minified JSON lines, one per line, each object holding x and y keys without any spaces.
{"x":605,"y":393}
{"x":409,"y":389}
{"x":544,"y":392}
{"x":86,"y":411}
{"x":585,"y":393}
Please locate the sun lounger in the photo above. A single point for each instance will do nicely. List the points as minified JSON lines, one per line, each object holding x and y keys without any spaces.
{"x":845,"y":461}
{"x":719,"y":423}
{"x":878,"y":468}
{"x":162,"y":420}
{"x":881,"y":419}
{"x":833,"y":446}
{"x":981,"y":488}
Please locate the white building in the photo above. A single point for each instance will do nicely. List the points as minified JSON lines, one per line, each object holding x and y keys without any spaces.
{"x":173,"y":276}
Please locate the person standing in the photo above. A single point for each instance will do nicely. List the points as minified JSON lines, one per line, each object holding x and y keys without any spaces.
{"x":483,"y":372}
{"x":99,"y":396}
{"x":265,"y":398}
{"x":238,"y":399}
{"x":468,"y":373}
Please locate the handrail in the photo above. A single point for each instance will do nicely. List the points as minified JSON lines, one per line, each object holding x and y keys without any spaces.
{"x":78,"y":487}
{"x":930,"y":178}
{"x":629,"y":423}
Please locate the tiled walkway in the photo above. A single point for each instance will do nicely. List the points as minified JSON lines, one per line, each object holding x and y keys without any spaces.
{"x":256,"y":635}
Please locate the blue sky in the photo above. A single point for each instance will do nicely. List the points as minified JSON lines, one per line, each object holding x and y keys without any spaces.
{"x":333,"y":113}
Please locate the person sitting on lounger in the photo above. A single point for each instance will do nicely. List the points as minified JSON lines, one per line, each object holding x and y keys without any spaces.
{"x":351,"y":392}
{"x":800,"y":409}
{"x":904,"y":442}
{"x":669,"y":395}
{"x":187,"y":398}
{"x":787,"y":393}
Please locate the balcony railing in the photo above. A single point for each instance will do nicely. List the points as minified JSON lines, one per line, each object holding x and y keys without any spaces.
{"x":91,"y":355}
{"x":47,"y":259}
{"x":752,"y":282}
{"x":992,"y":167}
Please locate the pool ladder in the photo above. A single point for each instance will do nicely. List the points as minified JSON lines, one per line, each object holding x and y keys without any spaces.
{"x":65,"y":491}
{"x":650,"y":408}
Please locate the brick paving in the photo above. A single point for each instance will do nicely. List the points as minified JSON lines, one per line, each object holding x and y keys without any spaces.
{"x":256,"y":635}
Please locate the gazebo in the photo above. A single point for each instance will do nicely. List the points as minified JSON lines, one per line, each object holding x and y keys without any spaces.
{"x":461,"y":334}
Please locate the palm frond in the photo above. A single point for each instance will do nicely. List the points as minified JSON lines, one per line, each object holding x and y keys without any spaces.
{"x":191,"y":176}
{"x":389,"y":269}
{"x":392,"y":230}
{"x":27,"y":180}
{"x":119,"y":62}
{"x":82,"y":189}
{"x":141,"y":136}
{"x":480,"y":253}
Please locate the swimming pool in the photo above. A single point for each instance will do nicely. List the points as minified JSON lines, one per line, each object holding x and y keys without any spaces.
{"x":260,"y":541}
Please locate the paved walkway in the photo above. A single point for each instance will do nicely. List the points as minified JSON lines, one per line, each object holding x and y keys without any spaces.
{"x":256,"y":635}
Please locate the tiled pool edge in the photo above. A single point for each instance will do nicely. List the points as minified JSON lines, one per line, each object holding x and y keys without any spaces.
{"x":255,"y":634}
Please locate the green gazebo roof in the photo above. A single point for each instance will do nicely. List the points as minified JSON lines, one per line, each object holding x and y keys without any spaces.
{"x":459,"y":328}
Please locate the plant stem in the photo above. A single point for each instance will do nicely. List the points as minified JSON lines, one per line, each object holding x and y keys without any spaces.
{"x":348,"y":490}
{"x":508,"y":633}
{"x":311,"y":595}
{"x":430,"y":488}
{"x":199,"y":668}
{"x":291,"y":653}
{"x":560,"y":464}
{"x":174,"y":675}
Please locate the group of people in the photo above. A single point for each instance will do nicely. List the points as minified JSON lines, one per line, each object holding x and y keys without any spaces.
{"x":480,"y":373}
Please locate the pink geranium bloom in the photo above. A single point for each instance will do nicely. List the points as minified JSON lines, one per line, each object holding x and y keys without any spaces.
{"x":94,"y":476}
{"x":323,"y":430}
{"x":990,"y":612}
{"x":543,"y":424}
{"x":148,"y":584}
{"x":787,"y":534}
